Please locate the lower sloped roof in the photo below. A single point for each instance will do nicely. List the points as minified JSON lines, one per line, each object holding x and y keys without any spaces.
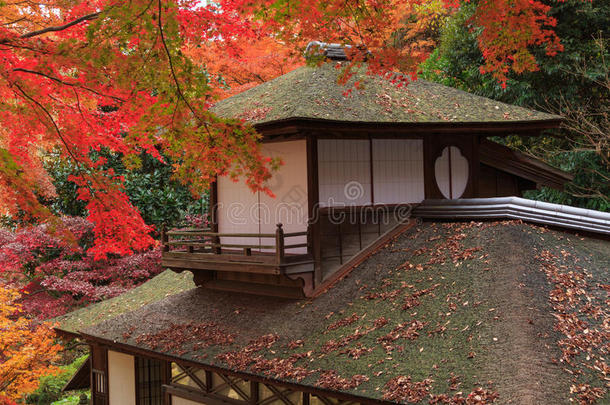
{"x":446,"y":309}
{"x":155,"y":289}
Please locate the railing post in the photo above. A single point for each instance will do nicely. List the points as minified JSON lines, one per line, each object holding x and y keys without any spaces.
{"x":215,"y":244}
{"x":279,"y":243}
{"x":164,"y":239}
{"x":309,"y":239}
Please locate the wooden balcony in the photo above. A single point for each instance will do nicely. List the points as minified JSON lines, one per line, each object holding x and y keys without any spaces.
{"x":281,"y":266}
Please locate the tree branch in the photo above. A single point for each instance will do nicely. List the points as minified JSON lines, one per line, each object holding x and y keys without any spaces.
{"x":60,"y":81}
{"x":79,"y":20}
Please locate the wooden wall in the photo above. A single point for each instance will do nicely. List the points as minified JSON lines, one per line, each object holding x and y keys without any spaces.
{"x":497,"y":183}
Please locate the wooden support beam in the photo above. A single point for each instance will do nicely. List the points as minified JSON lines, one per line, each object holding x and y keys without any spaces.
{"x":313,"y":206}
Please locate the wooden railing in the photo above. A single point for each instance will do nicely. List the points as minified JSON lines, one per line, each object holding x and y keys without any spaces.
{"x":193,"y":240}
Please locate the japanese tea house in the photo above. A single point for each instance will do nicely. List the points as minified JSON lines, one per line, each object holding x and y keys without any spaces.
{"x":355,"y":165}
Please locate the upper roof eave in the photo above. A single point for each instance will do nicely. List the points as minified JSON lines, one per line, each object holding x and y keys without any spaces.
{"x":295,"y":124}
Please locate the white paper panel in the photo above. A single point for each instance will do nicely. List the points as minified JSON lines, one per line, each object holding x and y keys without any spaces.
{"x":238,"y":210}
{"x":121,"y":378}
{"x":344,"y":172}
{"x":398,"y":171}
{"x":289,"y":184}
{"x":242,"y":211}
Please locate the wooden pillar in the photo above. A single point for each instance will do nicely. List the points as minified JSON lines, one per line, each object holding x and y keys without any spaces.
{"x":313,"y":206}
{"x":213,"y":215}
{"x":254,"y":393}
{"x":279,"y":244}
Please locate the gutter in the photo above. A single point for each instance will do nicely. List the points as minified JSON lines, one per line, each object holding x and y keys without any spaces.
{"x":539,"y":212}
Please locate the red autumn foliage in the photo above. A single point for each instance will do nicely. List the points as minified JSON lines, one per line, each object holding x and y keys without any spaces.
{"x":139,"y":76}
{"x":57,"y":274}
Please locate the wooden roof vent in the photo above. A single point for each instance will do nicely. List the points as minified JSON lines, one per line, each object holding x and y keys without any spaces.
{"x":330,"y":51}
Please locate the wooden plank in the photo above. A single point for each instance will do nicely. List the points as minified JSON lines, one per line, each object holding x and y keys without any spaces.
{"x":240,"y":235}
{"x":213,"y":257}
{"x":210,"y":245}
{"x":239,"y":266}
{"x":298,"y":245}
{"x":256,"y":289}
{"x":291,"y":234}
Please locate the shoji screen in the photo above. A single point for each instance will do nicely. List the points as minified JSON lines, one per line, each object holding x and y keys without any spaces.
{"x":398,"y":171}
{"x":289,"y":184}
{"x":242,"y":211}
{"x":344,"y":172}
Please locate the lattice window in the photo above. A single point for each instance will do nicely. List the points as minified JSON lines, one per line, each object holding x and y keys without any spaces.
{"x":272,"y":395}
{"x":232,"y":390}
{"x":100,"y":387}
{"x":150,"y":380}
{"x":230,"y":387}
{"x":190,"y":376}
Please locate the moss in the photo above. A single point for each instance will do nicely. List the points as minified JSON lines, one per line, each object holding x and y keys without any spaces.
{"x":481,"y":282}
{"x":157,"y":288}
{"x":314,"y":92}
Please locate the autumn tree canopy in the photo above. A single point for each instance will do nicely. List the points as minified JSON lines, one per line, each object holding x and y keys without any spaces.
{"x":25,"y":350}
{"x":79,"y":77}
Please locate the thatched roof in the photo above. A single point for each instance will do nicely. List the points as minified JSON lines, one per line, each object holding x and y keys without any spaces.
{"x":314,"y":93}
{"x":155,"y":289}
{"x":445,"y":302}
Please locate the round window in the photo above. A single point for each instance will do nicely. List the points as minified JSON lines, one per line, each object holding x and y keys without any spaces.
{"x":451,"y":172}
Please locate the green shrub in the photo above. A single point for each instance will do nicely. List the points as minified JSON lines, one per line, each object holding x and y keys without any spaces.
{"x":50,"y":386}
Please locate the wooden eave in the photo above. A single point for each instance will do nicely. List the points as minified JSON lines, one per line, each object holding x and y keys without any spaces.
{"x":134,"y":350}
{"x":504,"y":158}
{"x":298,"y":127}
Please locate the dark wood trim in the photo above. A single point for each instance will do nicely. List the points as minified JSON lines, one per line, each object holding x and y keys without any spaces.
{"x":99,"y":361}
{"x":292,"y":127}
{"x":214,"y":213}
{"x":450,"y":174}
{"x":136,"y":379}
{"x":371,"y":170}
{"x":313,"y":200}
{"x":474,"y":166}
{"x":360,"y":208}
{"x":196,"y":395}
{"x":167,"y":379}
{"x":133,"y":350}
{"x":254,"y":393}
{"x":81,"y":379}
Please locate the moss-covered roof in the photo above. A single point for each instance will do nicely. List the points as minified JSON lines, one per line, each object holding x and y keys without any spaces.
{"x":314,"y":93}
{"x":442,"y":310}
{"x":155,"y":289}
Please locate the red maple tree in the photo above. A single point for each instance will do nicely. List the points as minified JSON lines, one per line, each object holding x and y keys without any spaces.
{"x":81,"y":76}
